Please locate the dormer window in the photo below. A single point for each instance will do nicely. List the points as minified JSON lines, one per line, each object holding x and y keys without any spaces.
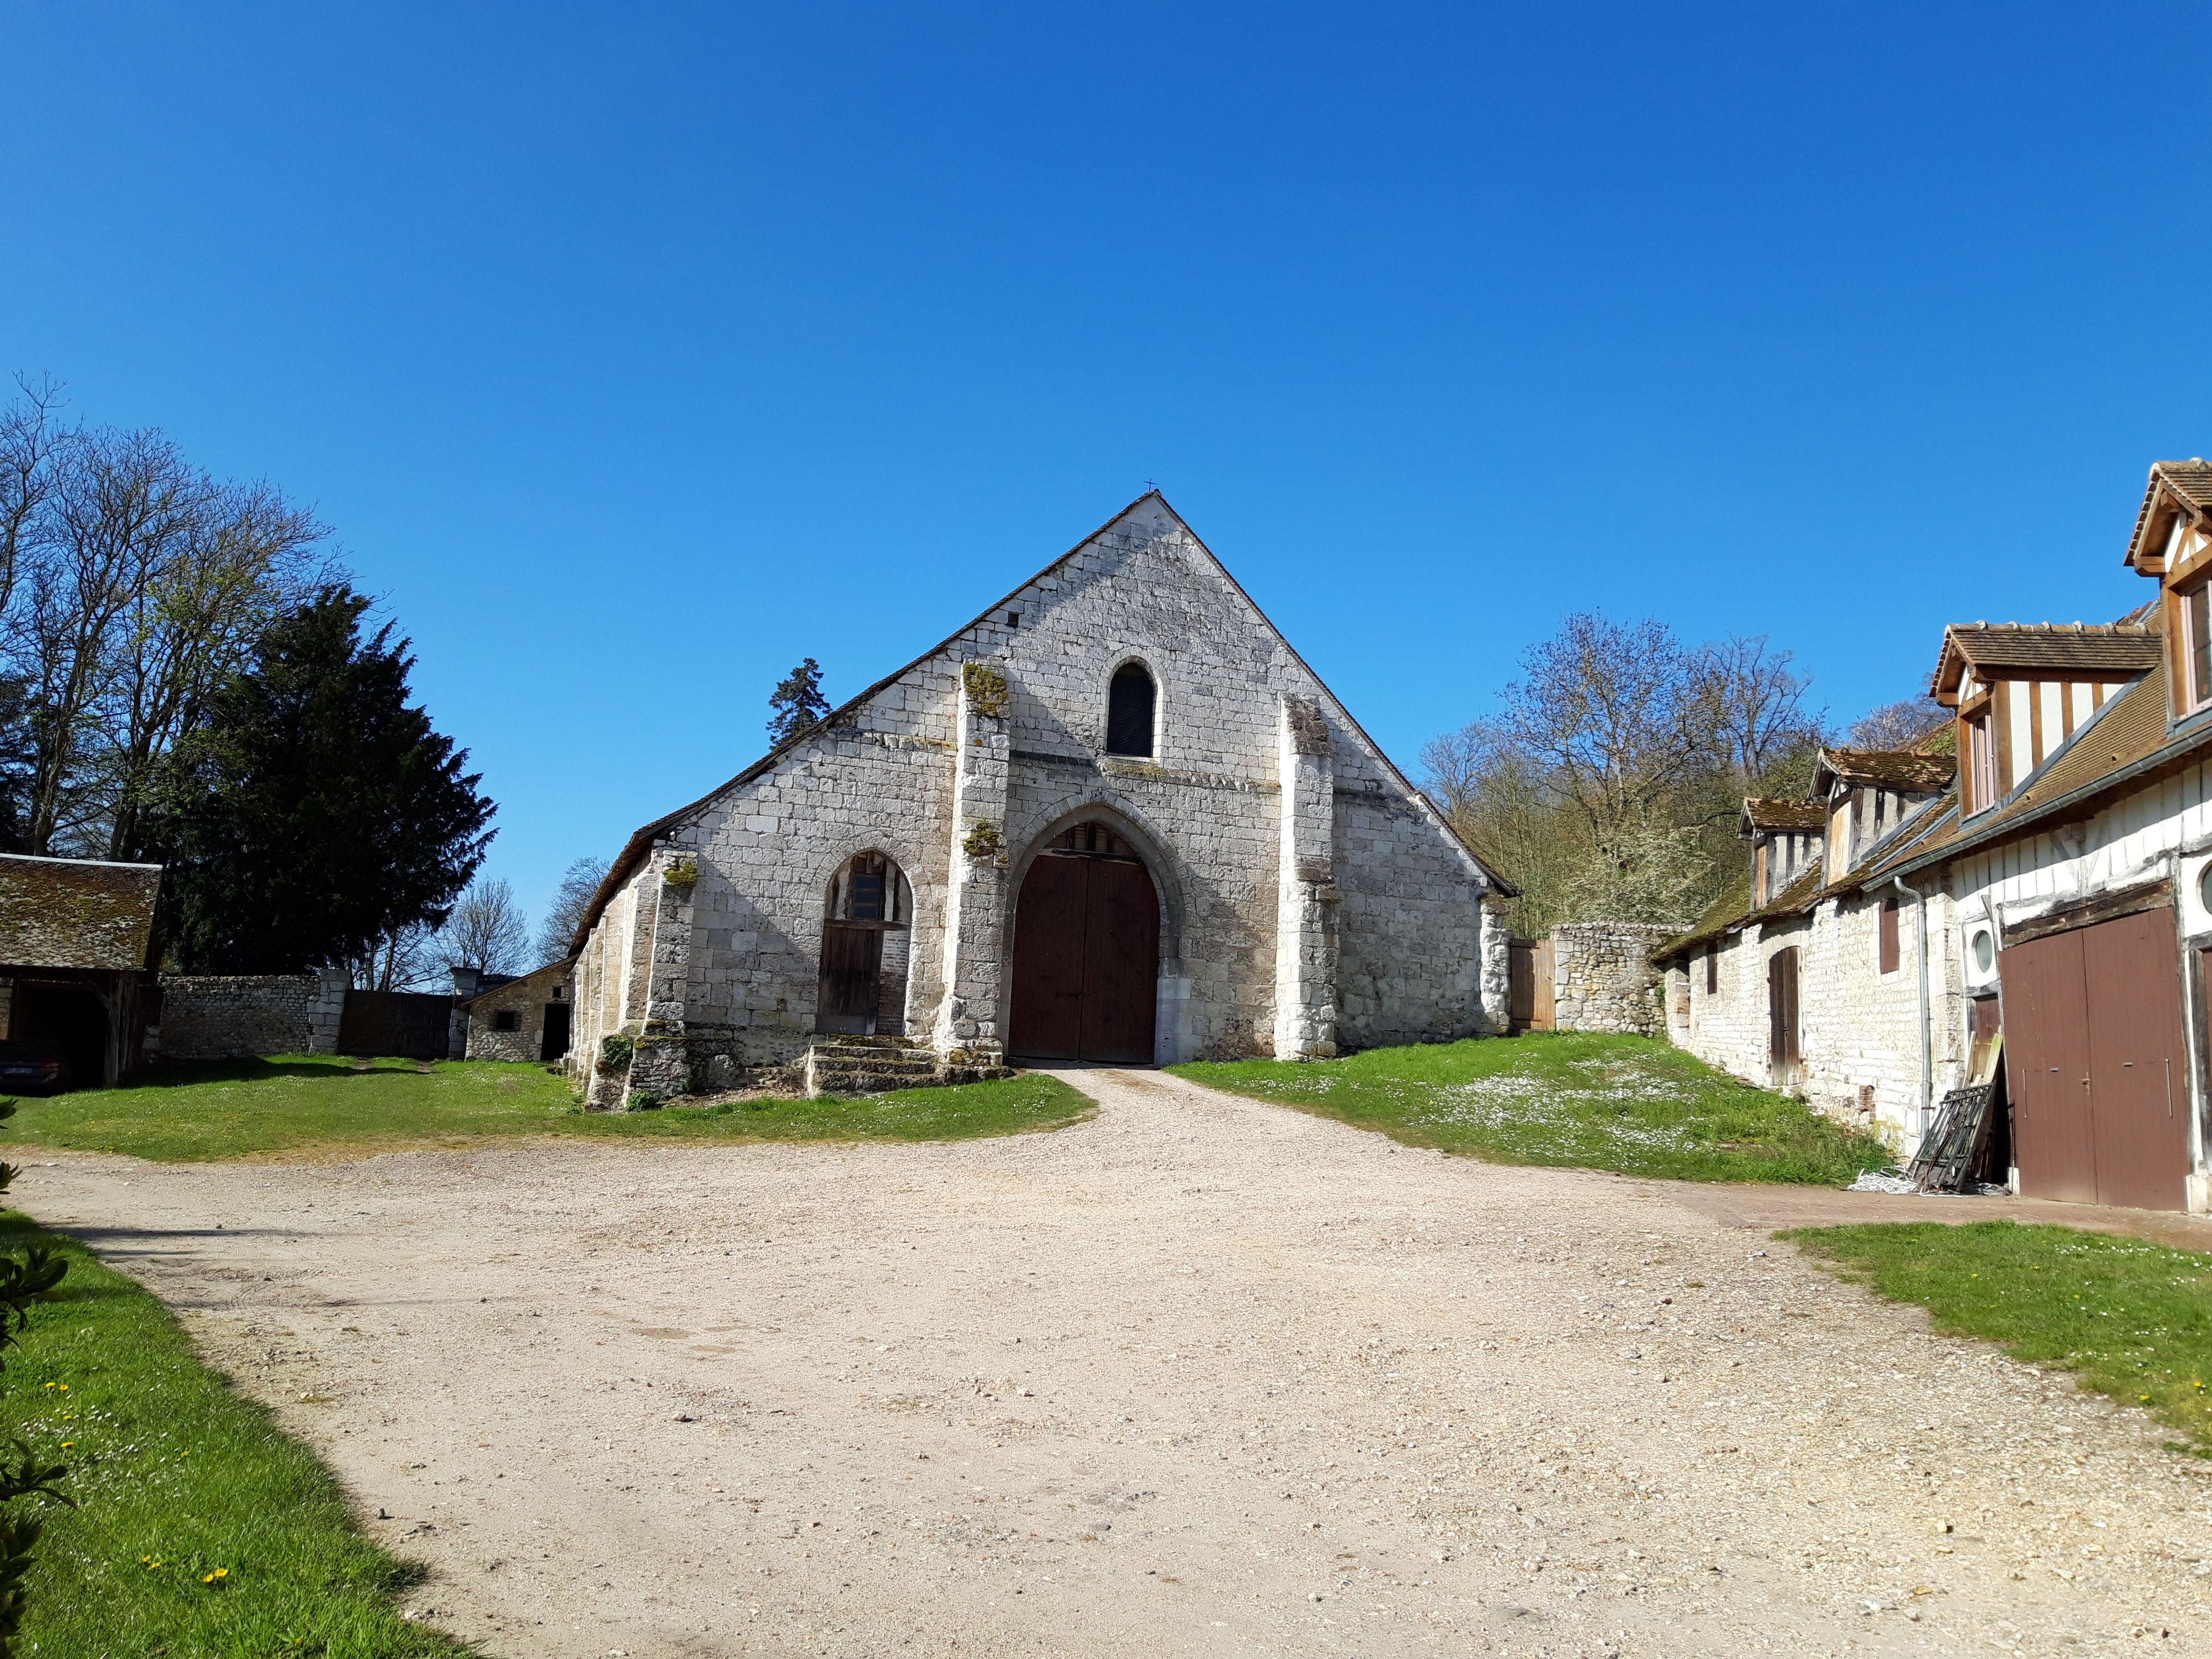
{"x":1977,"y":738}
{"x":1131,"y":705}
{"x":2193,"y":678}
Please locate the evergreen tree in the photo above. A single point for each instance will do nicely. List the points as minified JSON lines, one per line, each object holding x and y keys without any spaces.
{"x":312,"y":810}
{"x":797,"y":701}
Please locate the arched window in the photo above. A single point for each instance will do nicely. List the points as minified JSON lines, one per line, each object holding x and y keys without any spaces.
{"x":1130,"y":701}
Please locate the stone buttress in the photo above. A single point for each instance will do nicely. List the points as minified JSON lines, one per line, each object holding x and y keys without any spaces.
{"x":1306,"y":896}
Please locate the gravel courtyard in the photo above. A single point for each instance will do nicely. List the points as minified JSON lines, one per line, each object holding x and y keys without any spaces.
{"x":1198,"y":1375}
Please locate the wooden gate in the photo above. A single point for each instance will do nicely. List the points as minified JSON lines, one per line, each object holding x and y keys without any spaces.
{"x":1086,"y":960}
{"x":410,"y":1025}
{"x":2095,"y":1063}
{"x":1533,"y":1004}
{"x":1782,"y":1049}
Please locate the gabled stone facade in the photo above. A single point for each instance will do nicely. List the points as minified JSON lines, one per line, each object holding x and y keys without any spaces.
{"x":1308,"y":898}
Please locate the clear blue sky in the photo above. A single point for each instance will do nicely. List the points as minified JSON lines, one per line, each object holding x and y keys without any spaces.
{"x":637,"y":352}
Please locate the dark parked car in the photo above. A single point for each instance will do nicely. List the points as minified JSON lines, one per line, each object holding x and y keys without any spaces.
{"x":34,"y":1068}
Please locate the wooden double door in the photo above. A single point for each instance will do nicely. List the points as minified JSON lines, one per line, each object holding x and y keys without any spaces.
{"x":2096,"y":1063}
{"x":1086,"y":960}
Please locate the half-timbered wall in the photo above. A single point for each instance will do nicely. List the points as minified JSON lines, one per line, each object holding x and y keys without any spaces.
{"x":2030,"y":719}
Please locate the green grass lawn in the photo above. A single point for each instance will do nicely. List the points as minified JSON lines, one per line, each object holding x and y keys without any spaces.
{"x":200,"y":1529}
{"x":2132,"y":1319}
{"x":1580,"y":1099}
{"x":185,"y":1113}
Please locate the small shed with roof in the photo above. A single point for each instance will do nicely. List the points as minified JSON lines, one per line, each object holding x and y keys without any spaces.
{"x":77,"y":943}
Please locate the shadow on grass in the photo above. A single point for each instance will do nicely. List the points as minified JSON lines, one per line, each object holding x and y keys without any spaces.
{"x":186,"y":1074}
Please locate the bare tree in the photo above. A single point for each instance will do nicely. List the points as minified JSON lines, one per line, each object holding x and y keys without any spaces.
{"x":1897,"y":725}
{"x":1752,"y":702}
{"x":557,"y":937}
{"x":407,"y":960}
{"x":130,"y":581}
{"x":486,"y":931}
{"x":1610,"y":784}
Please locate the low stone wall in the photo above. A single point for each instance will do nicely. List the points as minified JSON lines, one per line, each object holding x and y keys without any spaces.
{"x":230,"y":1016}
{"x":1604,"y":979}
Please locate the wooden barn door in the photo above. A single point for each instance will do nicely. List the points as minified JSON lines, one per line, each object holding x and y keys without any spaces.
{"x":2138,"y":1065}
{"x":2095,"y":1065}
{"x":1086,"y":960}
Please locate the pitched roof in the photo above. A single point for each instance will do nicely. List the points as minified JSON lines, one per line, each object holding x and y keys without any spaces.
{"x":2185,"y":486}
{"x":1906,"y":770}
{"x":76,"y":913}
{"x":2044,"y":650}
{"x":1763,"y":813}
{"x":2127,"y":738}
{"x":640,"y":844}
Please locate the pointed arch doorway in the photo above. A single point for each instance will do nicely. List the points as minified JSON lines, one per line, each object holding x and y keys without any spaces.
{"x":1086,"y":952}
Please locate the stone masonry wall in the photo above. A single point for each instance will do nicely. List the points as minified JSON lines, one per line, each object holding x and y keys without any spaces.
{"x":227,"y":1016}
{"x":735,"y":960}
{"x":1858,"y":1028}
{"x":526,"y":998}
{"x":1602,"y":977}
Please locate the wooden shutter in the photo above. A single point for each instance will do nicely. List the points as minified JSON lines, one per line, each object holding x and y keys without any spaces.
{"x":1712,"y":969}
{"x":1889,"y":951}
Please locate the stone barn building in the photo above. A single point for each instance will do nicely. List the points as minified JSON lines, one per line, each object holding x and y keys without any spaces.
{"x":1115,"y":818}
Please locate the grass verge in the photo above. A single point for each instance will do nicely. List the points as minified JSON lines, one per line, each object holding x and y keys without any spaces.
{"x":200,"y":1529}
{"x":2129,"y":1318}
{"x":1580,"y":1099}
{"x":296,"y":1102}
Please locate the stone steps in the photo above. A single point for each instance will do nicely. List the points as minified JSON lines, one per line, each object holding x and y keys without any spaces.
{"x":874,"y":1066}
{"x":868,"y":1066}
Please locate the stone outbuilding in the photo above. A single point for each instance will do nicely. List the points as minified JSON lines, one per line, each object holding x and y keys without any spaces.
{"x":1115,"y":818}
{"x":76,"y":941}
{"x":506,"y":1017}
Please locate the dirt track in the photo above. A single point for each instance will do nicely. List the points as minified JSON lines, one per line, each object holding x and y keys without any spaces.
{"x":1201,"y":1376}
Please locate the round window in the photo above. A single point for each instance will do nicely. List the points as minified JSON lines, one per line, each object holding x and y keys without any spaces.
{"x":2204,"y":887}
{"x":1985,"y":950}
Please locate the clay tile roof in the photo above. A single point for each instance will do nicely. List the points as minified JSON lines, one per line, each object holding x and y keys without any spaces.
{"x":2189,"y":481}
{"x":2089,"y":647}
{"x":1763,"y":813}
{"x":74,"y":913}
{"x":1907,"y":770}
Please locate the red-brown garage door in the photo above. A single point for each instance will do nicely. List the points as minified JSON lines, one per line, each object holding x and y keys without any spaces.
{"x":2096,"y":1065}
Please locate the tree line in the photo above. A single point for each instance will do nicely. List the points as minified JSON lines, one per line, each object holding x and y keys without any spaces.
{"x":1609,"y":784}
{"x":187,"y":678}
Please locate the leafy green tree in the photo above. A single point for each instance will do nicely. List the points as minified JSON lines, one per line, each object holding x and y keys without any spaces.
{"x":797,"y":702}
{"x":312,"y":811}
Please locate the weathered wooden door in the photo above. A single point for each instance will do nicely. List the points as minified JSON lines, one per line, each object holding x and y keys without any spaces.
{"x":410,"y":1025}
{"x":1086,"y":960}
{"x":1782,"y":1052}
{"x":1531,"y":1000}
{"x":2138,"y":1069}
{"x":2046,"y":1023}
{"x":2095,"y":1064}
{"x":844,"y":999}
